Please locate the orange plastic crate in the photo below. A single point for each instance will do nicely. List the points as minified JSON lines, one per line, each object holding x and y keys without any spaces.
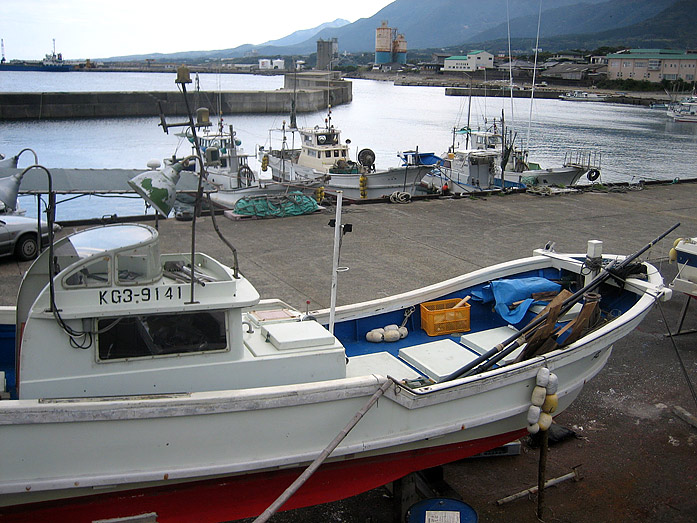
{"x":439,"y":317}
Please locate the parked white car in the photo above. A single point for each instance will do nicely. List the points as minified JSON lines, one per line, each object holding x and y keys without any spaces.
{"x":18,"y":236}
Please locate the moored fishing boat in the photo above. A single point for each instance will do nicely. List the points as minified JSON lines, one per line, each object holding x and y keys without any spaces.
{"x":323,"y":159}
{"x":582,"y":96}
{"x":226,"y":166}
{"x":488,"y":160}
{"x":203,"y":407}
{"x":684,"y":111}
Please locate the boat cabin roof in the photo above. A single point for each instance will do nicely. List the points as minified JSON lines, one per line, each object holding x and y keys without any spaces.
{"x":93,"y":241}
{"x":321,"y":137}
{"x":130,"y":251}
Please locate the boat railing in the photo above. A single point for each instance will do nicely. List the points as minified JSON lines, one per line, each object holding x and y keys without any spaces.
{"x":583,"y":159}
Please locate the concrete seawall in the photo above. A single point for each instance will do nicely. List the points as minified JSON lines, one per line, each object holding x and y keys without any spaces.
{"x":313,"y":92}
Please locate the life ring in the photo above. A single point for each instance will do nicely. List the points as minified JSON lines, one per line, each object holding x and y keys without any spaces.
{"x":593,"y":175}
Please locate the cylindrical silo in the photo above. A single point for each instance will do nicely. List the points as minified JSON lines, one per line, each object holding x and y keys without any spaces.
{"x":399,"y":49}
{"x":383,"y":44}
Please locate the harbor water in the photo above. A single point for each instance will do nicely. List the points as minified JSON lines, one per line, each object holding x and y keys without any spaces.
{"x":635,"y":143}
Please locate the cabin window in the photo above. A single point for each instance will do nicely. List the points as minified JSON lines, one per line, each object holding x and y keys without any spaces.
{"x":328,"y":139}
{"x":161,"y":335}
{"x":328,"y":154}
{"x":139,"y":265}
{"x":336,"y":153}
{"x":94,"y":274}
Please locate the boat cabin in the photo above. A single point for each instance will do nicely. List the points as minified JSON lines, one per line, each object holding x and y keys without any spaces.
{"x":227,"y":167}
{"x":119,"y":319}
{"x":478,"y":168}
{"x":486,"y":140}
{"x":321,"y":148}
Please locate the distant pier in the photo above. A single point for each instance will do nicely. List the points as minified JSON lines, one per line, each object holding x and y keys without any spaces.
{"x":635,"y":99}
{"x":312,"y":91}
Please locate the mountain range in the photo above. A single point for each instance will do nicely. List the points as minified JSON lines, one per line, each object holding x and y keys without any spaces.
{"x":468,"y":24}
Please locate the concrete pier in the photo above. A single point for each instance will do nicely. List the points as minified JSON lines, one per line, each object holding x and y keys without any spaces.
{"x":312,"y":91}
{"x":637,"y":455}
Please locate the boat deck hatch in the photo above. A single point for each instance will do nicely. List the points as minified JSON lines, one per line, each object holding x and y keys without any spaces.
{"x":437,"y":359}
{"x":297,"y":335}
{"x":273,"y":316}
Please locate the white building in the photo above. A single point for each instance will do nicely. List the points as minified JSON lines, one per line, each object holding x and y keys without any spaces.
{"x":474,"y":61}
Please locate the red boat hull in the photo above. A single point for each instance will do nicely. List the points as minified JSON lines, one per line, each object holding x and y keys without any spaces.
{"x":237,"y":497}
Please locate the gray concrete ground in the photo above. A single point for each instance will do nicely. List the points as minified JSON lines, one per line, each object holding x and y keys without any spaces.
{"x":638,"y":458}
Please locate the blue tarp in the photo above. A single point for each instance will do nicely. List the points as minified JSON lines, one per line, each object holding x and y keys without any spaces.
{"x":506,"y":292}
{"x":414,"y":158}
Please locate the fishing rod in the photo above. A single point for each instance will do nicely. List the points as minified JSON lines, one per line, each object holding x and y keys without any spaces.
{"x":503,"y":349}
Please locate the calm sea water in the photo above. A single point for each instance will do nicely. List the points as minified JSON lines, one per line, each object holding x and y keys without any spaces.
{"x":635,"y":142}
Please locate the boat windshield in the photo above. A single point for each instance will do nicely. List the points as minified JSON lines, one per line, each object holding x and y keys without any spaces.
{"x":136,"y":259}
{"x":100,"y":240}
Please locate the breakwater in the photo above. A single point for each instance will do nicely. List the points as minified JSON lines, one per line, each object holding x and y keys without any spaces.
{"x":635,"y":99}
{"x":311,"y":91}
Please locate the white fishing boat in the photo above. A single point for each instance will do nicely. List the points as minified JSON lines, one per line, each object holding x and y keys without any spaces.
{"x":582,"y":96}
{"x":322,"y":158}
{"x":226,"y":166}
{"x":685,"y":111}
{"x":685,"y":254}
{"x":145,"y":383}
{"x":488,"y":160}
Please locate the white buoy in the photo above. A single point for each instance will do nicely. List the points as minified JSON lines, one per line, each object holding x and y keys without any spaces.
{"x":553,"y":384}
{"x":392,"y":335}
{"x":374,"y":336}
{"x":538,"y":396}
{"x":533,"y":414}
{"x":542,"y":376}
{"x":534,"y":428}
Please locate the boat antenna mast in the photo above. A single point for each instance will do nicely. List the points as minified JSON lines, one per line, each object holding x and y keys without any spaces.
{"x":534,"y":73}
{"x":203,"y":120}
{"x":293,"y":108}
{"x":510,"y":60}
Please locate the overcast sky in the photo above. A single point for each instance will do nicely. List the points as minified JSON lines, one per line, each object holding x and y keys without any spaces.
{"x":101,"y":29}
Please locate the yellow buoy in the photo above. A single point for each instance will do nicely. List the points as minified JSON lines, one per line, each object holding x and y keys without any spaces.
{"x":551,"y":403}
{"x":545,"y":421}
